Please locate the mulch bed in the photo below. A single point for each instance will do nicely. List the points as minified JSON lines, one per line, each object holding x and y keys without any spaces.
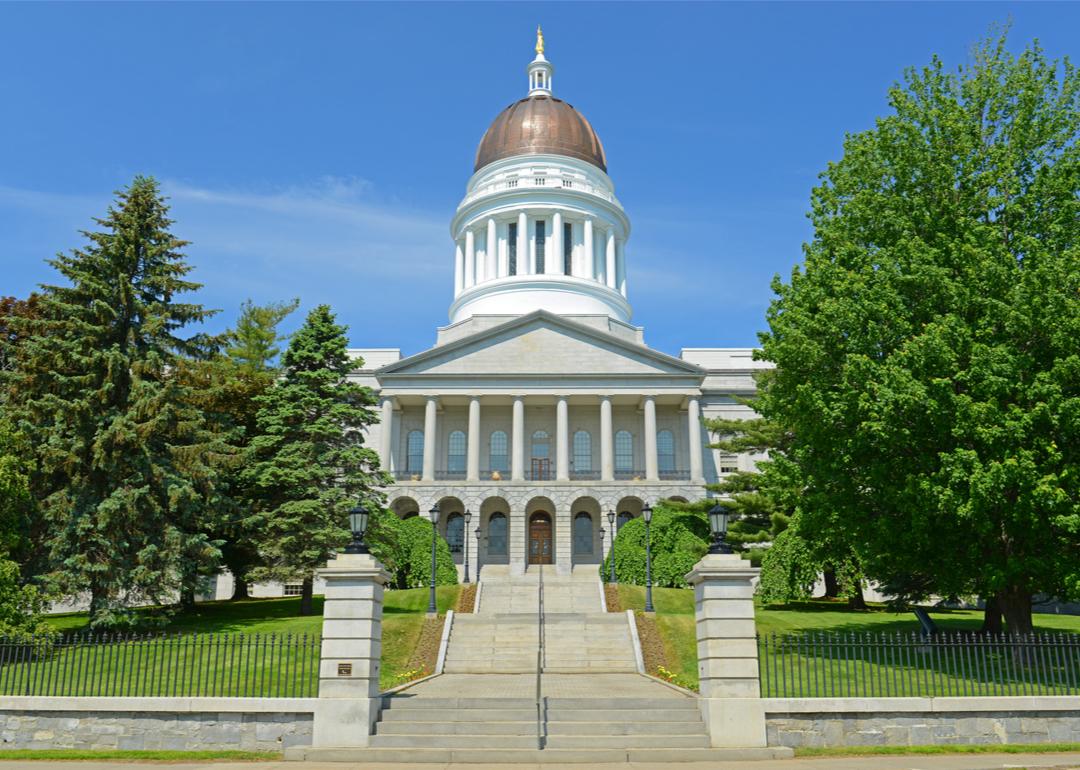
{"x":652,"y":646}
{"x":426,"y":654}
{"x":611,"y":598}
{"x":466,"y":599}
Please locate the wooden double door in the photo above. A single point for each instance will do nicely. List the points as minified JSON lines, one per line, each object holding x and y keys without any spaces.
{"x":541,"y":543}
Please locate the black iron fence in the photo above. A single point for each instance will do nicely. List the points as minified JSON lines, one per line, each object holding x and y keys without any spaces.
{"x":868,"y":665}
{"x":162,"y":665}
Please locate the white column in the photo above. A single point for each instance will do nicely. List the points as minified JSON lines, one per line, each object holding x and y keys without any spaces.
{"x":620,"y":264}
{"x":472,"y":468}
{"x":386,"y":437}
{"x":555,"y":264}
{"x":492,"y":255}
{"x":607,"y":455}
{"x":532,"y":245}
{"x":562,"y":440}
{"x":727,"y":650}
{"x":470,"y":258}
{"x":459,"y":267}
{"x":349,"y":701}
{"x":609,"y":254}
{"x":430,"y":440}
{"x":590,"y":264}
{"x":693,"y":429}
{"x":651,"y":472}
{"x":504,"y":254}
{"x":523,"y":244}
{"x":517,"y":439}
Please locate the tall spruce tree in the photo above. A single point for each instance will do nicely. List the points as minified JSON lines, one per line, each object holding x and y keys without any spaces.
{"x":120,"y":472}
{"x":310,"y":464}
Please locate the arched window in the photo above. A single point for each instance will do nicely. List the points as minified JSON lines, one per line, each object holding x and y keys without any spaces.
{"x":583,"y":533}
{"x":414,"y":462}
{"x":541,"y":456}
{"x":624,"y":516}
{"x":665,"y":451}
{"x":497,"y":535}
{"x":582,"y":451}
{"x":624,"y":451}
{"x":497,"y":452}
{"x":410,"y":514}
{"x":455,"y":452}
{"x":455,"y":532}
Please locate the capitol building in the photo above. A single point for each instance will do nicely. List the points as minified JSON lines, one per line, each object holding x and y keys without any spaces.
{"x":540,"y":408}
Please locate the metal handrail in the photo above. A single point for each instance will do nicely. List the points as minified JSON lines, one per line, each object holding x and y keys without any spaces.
{"x":539,"y":656}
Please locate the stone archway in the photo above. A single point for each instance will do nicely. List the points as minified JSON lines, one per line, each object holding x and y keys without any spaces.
{"x":405,"y":507}
{"x":627,"y":508}
{"x":496,"y":531}
{"x":585,"y":523}
{"x":540,"y":532}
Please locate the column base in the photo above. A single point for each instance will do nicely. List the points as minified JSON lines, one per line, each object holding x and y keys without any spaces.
{"x":344,"y":722}
{"x":734,"y":722}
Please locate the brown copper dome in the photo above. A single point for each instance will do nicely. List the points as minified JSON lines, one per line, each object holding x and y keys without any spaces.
{"x":540,"y":125}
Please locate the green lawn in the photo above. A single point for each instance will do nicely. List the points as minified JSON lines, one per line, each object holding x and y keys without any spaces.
{"x":277,"y":655}
{"x":845,"y":669}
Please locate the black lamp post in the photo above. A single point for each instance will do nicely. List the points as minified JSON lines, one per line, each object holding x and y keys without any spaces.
{"x":465,"y":537}
{"x":432,"y":608}
{"x":646,"y":513}
{"x":611,"y":555}
{"x":718,"y":521}
{"x":358,"y":523}
{"x":477,"y":533}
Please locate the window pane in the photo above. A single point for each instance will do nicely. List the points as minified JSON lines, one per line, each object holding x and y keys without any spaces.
{"x":511,"y":235}
{"x":665,"y":450}
{"x":540,"y":444}
{"x":497,"y":535}
{"x":568,"y":249}
{"x":582,"y":451}
{"x":624,"y":451}
{"x":455,"y":532}
{"x":415,"y":460}
{"x":497,"y":454}
{"x":583,"y":533}
{"x":455,"y":456}
{"x":541,"y":235}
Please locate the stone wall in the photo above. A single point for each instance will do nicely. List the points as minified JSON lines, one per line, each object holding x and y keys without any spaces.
{"x":921,"y":721}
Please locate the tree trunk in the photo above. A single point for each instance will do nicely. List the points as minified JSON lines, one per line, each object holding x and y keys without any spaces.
{"x":187,"y":597}
{"x":992,"y":623}
{"x":832,"y":585}
{"x":306,"y":607}
{"x":240,"y":589}
{"x":857,"y":601}
{"x":1016,"y":607}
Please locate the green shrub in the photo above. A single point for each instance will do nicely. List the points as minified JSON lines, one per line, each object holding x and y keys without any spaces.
{"x":22,"y":607}
{"x":404,"y":548}
{"x":679,"y":537}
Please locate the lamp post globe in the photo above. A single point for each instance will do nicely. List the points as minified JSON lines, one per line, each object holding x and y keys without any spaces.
{"x":718,"y":524}
{"x":646,"y":513}
{"x":611,"y":548}
{"x":465,"y":537}
{"x":433,"y":608}
{"x":359,"y":516}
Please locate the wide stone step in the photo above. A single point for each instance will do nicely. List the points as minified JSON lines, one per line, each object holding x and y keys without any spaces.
{"x":554,"y":705}
{"x":533,"y":756}
{"x":523,"y":728}
{"x":618,"y":727}
{"x":471,"y":740}
{"x":627,"y":741}
{"x":460,"y":715}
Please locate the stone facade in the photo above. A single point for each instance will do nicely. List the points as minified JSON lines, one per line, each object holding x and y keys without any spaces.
{"x":911,"y":729}
{"x":178,"y":731}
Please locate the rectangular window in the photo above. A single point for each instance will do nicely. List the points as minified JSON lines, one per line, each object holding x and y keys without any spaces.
{"x":568,"y":249}
{"x":541,"y":235}
{"x":729,"y":463}
{"x":294,"y":589}
{"x":511,"y":238}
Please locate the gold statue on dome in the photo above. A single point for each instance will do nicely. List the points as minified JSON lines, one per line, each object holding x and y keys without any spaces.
{"x":539,"y":41}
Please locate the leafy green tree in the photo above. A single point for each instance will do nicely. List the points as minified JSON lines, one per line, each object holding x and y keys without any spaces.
{"x":13,"y":307}
{"x":309,"y":463}
{"x":120,"y":473}
{"x":926,"y":350}
{"x":679,"y":536}
{"x":254,"y":343}
{"x":16,"y":502}
{"x":22,"y":606}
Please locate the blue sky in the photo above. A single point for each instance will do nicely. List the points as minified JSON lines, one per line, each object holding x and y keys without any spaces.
{"x":319,"y":150}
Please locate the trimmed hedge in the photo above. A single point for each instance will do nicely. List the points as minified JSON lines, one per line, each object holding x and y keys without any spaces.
{"x":679,"y":539}
{"x":404,"y":548}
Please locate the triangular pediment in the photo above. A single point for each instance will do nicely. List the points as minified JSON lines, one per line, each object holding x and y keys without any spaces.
{"x":541,"y":344}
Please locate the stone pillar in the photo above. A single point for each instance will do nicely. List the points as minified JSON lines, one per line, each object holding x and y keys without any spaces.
{"x":472,"y":468}
{"x":554,"y":265}
{"x":348,"y":702}
{"x":523,"y":244}
{"x":491,"y":257}
{"x":386,"y":438}
{"x":562,"y":440}
{"x":470,"y":258}
{"x":651,"y":465}
{"x":620,"y":265}
{"x":693,"y":430}
{"x":727,"y":650}
{"x":609,"y":254}
{"x":517,"y":441}
{"x":590,"y":244}
{"x":503,"y":268}
{"x":607,"y":450}
{"x":459,"y":267}
{"x":430,"y":440}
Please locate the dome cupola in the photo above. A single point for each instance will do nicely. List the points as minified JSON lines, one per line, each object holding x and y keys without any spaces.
{"x":540,"y":226}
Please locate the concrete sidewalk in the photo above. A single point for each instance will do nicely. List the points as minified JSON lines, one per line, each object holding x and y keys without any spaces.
{"x":948,"y":762}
